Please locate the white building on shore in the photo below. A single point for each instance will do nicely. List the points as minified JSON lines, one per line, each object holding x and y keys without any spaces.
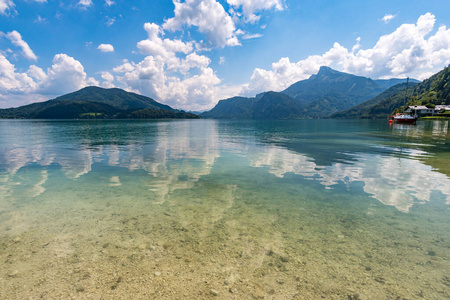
{"x":423,"y":111}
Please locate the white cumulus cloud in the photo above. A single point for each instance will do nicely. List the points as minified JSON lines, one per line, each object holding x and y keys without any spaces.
{"x":155,"y":45}
{"x":85,"y":3}
{"x":125,"y":67}
{"x":171,"y":72}
{"x":209,"y":16}
{"x":17,"y":40}
{"x":65,"y":75}
{"x":6,"y":7}
{"x":106,"y":48}
{"x":13,"y":82}
{"x":108,"y":80}
{"x":411,"y":50}
{"x":284,"y":72}
{"x":250,"y":7}
{"x":107,"y":76}
{"x":194,"y":60}
{"x":387,"y":18}
{"x":152,"y":77}
{"x":163,"y":49}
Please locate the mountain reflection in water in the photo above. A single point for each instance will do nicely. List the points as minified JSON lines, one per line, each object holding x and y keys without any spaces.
{"x":388,"y":161}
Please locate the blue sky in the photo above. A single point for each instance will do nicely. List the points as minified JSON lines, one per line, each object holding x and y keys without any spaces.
{"x":189,"y":54}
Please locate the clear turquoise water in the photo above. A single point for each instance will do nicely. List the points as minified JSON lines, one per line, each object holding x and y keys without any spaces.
{"x":228,"y":209}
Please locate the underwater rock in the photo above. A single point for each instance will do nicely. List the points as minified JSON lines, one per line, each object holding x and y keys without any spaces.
{"x":214,"y":292}
{"x":14,"y":273}
{"x":284,"y":258}
{"x":79,"y":288}
{"x":357,"y":296}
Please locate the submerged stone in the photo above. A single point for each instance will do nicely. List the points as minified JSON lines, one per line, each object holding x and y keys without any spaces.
{"x":214,"y":292}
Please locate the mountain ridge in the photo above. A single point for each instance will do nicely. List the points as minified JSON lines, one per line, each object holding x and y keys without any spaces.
{"x":115,"y":97}
{"x":434,"y":90}
{"x":322,"y":94}
{"x":95,"y":102}
{"x":263,"y":106}
{"x":369,"y":109}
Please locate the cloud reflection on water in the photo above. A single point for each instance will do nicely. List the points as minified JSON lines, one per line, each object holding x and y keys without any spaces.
{"x":176,"y":155}
{"x":394,"y":181}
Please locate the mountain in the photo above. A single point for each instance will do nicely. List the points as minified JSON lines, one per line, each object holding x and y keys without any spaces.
{"x":232,"y":108}
{"x":96,"y":102}
{"x":332,"y":91}
{"x":387,"y":83}
{"x":327,"y":92}
{"x":115,"y":97}
{"x":330,"y":82}
{"x":276,"y":104}
{"x":435,"y":90}
{"x":269,"y":105}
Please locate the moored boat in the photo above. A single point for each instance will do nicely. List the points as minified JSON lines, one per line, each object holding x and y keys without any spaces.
{"x":404,"y":119}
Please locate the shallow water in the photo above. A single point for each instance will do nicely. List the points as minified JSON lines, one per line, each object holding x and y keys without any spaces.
{"x":202,"y":209}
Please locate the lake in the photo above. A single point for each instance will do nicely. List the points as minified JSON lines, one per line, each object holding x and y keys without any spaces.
{"x":199,"y":209}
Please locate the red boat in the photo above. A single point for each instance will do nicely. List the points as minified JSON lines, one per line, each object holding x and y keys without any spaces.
{"x":403,"y":119}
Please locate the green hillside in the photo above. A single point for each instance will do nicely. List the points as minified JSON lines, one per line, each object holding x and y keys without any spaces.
{"x":433,"y":91}
{"x":98,"y":103}
{"x":232,"y":108}
{"x":114,"y":97}
{"x":270,"y":105}
{"x":151,"y":113}
{"x":373,"y":108}
{"x":274,"y":105}
{"x":75,"y":110}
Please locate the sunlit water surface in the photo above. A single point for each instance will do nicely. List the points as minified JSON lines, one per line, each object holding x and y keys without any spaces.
{"x":197,"y":209}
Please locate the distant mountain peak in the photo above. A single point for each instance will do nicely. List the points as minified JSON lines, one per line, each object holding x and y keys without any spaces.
{"x":327,"y":71}
{"x":93,"y":88}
